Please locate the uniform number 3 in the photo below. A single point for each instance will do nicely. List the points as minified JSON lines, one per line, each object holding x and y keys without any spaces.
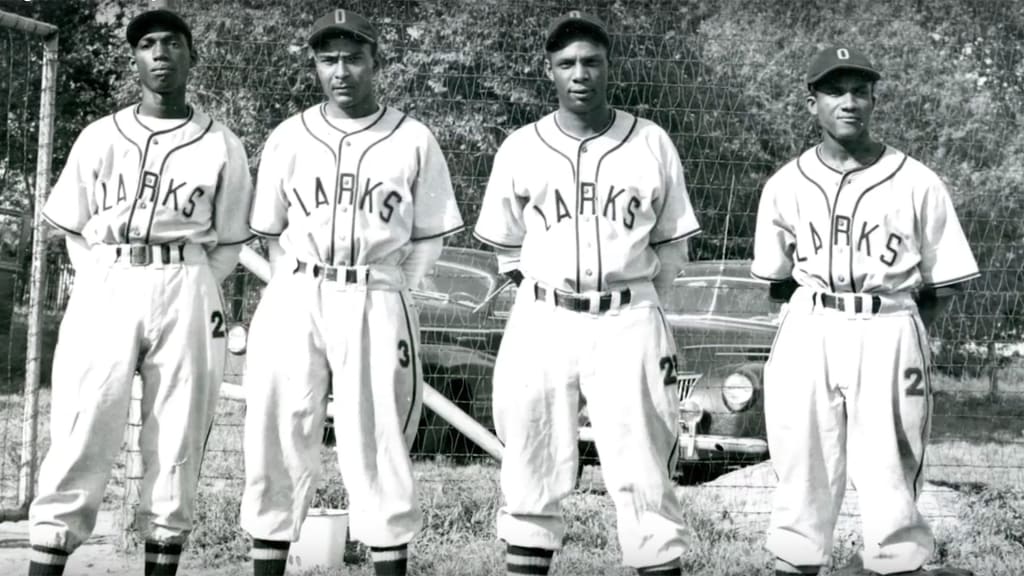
{"x":916,"y":378}
{"x":217,"y":319}
{"x":403,"y":354}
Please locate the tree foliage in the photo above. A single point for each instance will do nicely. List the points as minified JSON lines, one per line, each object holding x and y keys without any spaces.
{"x":723,"y":77}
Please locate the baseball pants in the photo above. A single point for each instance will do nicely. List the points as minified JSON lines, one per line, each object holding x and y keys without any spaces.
{"x":548,"y":356}
{"x":165,"y":321}
{"x":848,"y":391}
{"x":310,"y":337}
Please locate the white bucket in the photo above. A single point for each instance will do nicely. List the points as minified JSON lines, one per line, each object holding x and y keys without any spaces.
{"x":321,"y":540}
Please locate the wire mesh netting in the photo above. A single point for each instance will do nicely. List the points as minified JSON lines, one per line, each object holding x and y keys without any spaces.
{"x":724,"y":79}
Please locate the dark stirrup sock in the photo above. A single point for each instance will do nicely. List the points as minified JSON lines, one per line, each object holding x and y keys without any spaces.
{"x":269,"y":557}
{"x":45,"y":561}
{"x":390,"y":560}
{"x":162,"y":559}
{"x":524,"y":560}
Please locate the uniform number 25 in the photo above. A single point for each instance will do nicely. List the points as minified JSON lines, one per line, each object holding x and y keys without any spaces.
{"x":915,"y":381}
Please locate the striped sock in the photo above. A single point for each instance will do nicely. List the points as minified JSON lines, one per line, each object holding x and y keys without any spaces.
{"x":523,"y":560}
{"x":46,"y":561}
{"x":269,"y":557}
{"x":162,"y":559}
{"x":390,"y":561}
{"x":668,"y":569}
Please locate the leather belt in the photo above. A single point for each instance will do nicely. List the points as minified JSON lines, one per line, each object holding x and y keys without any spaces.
{"x":861,"y":302}
{"x":341,"y":274}
{"x":581,"y":302}
{"x":146,"y":254}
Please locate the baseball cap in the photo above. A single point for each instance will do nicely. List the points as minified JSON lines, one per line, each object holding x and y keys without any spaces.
{"x":835,"y":58}
{"x":163,"y":12}
{"x":572,"y":21}
{"x":343,"y":22}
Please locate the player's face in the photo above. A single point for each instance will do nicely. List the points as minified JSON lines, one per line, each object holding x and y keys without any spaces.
{"x":163,"y":60}
{"x":347,"y":69}
{"x":580,"y":73}
{"x":843,"y":104}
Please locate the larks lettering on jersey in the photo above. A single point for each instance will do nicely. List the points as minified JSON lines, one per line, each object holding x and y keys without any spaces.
{"x":587,"y":212}
{"x":355,"y":192}
{"x":126,"y":183}
{"x":886,"y":227}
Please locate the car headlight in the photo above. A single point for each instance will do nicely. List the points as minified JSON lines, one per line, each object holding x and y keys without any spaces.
{"x":690,"y":413}
{"x":738,"y":392}
{"x":237,"y":337}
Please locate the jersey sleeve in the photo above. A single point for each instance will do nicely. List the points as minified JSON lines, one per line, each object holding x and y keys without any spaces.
{"x":67,"y":208}
{"x":946,"y":257}
{"x":268,"y":215}
{"x":676,"y":217}
{"x":500,"y":222}
{"x":774,"y":239}
{"x":234,"y":196}
{"x":435,"y":210}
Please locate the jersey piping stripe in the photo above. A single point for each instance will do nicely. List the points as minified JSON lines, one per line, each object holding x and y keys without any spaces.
{"x":359,"y":168}
{"x":827,"y":205}
{"x":414,"y":361}
{"x":536,"y":130}
{"x":597,"y":176}
{"x":494,"y":243}
{"x":135,"y":115}
{"x":265,"y":234}
{"x":670,"y":465}
{"x":946,"y":283}
{"x":919,"y":340}
{"x":769,"y":278}
{"x":61,"y":226}
{"x":163,"y":163}
{"x":236,"y":242}
{"x":302,"y":118}
{"x":337,"y":184}
{"x":439,"y":234}
{"x":689,"y":234}
{"x":853,"y":214}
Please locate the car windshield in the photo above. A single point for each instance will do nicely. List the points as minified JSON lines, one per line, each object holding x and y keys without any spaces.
{"x":722,"y":297}
{"x":453,"y":282}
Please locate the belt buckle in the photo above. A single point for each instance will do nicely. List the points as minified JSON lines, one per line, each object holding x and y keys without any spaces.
{"x":330,"y":273}
{"x":140,"y":255}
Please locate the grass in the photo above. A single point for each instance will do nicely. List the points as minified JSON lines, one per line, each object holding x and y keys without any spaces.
{"x":976,"y":451}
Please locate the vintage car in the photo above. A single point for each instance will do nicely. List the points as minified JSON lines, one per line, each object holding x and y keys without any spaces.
{"x":721,"y":318}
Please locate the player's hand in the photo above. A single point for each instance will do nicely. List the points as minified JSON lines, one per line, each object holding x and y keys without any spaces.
{"x":515,"y":276}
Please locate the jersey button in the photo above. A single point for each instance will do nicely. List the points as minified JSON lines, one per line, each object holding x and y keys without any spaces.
{"x":136,"y":232}
{"x":590,"y":272}
{"x":841,"y":278}
{"x":347,"y":143}
{"x":584,"y":150}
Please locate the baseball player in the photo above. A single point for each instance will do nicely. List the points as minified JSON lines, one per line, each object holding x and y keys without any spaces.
{"x":864,"y":243}
{"x":355,"y":198}
{"x":153,"y":202}
{"x":588,"y":209}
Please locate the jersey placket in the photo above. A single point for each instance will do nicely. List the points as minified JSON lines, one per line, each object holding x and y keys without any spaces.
{"x":343,"y":198}
{"x":588,"y":234}
{"x":147,"y":191}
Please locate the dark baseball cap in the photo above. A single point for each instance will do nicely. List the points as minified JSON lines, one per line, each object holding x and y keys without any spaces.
{"x":158,"y":12}
{"x":345,"y":23}
{"x":576,"y":21}
{"x":835,"y":58}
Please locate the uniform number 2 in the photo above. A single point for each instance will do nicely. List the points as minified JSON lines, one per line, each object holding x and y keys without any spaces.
{"x":668,"y":365}
{"x":217,"y":319}
{"x":916,"y":378}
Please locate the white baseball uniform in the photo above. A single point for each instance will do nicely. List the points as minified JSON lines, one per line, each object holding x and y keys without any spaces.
{"x":150,"y":197}
{"x":848,"y":376}
{"x":347,"y":200}
{"x":586,"y":215}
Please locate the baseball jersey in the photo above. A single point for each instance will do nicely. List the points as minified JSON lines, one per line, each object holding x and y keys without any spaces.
{"x":882,"y":228}
{"x":139,"y":180}
{"x":353,"y":192}
{"x":587,"y":212}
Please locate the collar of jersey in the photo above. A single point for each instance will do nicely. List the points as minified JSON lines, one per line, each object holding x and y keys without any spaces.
{"x":347,"y":126}
{"x":170,"y":126}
